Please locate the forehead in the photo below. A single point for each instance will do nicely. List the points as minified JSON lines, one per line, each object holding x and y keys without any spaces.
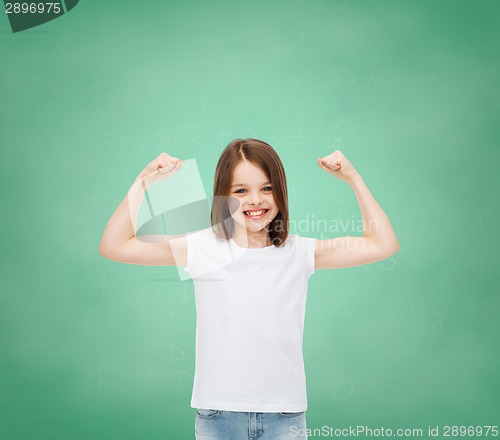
{"x":248,"y":173}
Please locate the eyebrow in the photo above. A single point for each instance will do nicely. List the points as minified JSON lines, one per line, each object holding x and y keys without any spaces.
{"x":242,"y":184}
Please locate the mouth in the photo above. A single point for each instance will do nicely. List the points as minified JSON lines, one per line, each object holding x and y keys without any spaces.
{"x":255,"y":214}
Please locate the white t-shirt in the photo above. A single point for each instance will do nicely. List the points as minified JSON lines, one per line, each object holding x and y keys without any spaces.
{"x":250,"y":307}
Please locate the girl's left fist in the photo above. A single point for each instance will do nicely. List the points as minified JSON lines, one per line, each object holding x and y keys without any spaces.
{"x":337,"y":165}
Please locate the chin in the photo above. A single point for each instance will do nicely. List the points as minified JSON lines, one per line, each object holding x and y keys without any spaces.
{"x":255,"y":228}
{"x":251,"y":225}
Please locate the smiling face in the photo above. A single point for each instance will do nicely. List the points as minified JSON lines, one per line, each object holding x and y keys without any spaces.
{"x":252,"y":189}
{"x":252,"y":164}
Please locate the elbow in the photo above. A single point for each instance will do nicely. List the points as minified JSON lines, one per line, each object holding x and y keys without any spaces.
{"x":396,"y":245}
{"x":388,"y":250}
{"x":111,"y":250}
{"x":104,"y":250}
{"x":394,"y":249}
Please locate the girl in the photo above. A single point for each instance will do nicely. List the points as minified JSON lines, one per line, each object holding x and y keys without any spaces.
{"x":250,"y":277}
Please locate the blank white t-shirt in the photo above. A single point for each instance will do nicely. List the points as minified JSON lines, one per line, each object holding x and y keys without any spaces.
{"x":250,"y":307}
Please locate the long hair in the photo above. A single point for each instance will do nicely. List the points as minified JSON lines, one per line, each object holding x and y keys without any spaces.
{"x":265,"y":157}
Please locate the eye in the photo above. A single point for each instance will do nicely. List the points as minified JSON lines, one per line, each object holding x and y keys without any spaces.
{"x":266,"y":189}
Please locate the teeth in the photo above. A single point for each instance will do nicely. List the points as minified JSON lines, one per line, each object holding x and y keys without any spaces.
{"x":255,"y":213}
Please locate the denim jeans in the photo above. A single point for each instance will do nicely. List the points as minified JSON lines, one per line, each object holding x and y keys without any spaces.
{"x":213,"y":424}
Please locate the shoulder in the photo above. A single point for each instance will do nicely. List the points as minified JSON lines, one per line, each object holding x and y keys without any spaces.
{"x":206,"y":238}
{"x":206,"y":253}
{"x":301,"y":243}
{"x":202,"y":233}
{"x":304,"y":248}
{"x":299,"y":240}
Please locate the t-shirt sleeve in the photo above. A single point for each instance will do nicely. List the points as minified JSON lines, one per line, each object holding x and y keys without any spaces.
{"x":308,"y":247}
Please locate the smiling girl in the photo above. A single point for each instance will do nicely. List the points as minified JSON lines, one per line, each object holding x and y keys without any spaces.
{"x":250,"y":277}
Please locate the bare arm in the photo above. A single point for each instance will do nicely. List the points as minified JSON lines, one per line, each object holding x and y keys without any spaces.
{"x":379,"y":240}
{"x":119,"y":241}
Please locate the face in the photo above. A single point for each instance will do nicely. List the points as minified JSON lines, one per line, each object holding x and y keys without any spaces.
{"x":252,"y":189}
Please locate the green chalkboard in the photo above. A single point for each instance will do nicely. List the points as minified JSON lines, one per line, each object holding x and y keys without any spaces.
{"x":408,"y":91}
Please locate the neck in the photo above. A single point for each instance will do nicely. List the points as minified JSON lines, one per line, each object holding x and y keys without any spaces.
{"x":251,"y":239}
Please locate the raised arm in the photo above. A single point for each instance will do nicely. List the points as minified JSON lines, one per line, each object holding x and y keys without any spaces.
{"x":379,"y":240}
{"x":119,"y":242}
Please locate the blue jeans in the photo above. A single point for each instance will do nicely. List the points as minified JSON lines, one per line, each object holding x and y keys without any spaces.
{"x":214,"y":424}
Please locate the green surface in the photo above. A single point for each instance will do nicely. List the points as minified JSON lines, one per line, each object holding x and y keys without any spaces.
{"x":409,"y":91}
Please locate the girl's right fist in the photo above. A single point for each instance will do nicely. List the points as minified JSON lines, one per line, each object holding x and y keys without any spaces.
{"x":164,"y":164}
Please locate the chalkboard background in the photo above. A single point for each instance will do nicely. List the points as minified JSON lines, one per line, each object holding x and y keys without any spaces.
{"x":409,"y":91}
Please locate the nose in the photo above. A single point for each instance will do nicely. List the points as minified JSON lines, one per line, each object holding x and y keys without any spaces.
{"x":255,"y":198}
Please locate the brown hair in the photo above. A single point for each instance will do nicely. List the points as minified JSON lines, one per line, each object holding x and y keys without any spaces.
{"x":265,"y":157}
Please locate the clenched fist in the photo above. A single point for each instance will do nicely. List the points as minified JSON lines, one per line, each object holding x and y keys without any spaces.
{"x":337,"y":165}
{"x":163,"y":167}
